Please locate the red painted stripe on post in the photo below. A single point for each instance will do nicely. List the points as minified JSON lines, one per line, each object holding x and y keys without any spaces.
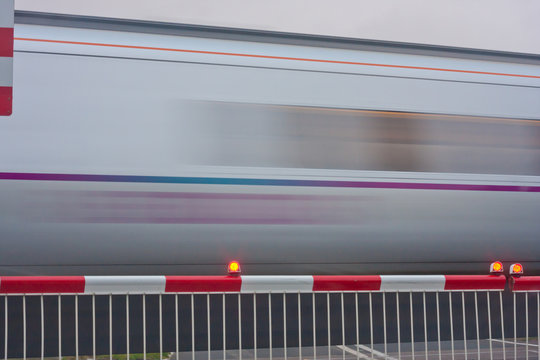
{"x":6,"y":96}
{"x":203,"y":283}
{"x":525,"y":283}
{"x":474,"y":282}
{"x":41,"y":284}
{"x":6,"y":42}
{"x":346,"y":283}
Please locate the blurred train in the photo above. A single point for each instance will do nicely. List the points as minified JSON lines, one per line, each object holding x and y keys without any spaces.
{"x":150,"y":148}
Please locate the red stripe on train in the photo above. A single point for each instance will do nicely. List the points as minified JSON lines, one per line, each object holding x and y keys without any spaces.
{"x":346,"y":283}
{"x":41,"y":284}
{"x":203,"y":283}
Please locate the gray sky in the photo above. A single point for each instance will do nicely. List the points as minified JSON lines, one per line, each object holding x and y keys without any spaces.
{"x":485,"y":24}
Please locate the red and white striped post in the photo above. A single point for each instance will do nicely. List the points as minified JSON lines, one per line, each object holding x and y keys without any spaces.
{"x":6,"y":56}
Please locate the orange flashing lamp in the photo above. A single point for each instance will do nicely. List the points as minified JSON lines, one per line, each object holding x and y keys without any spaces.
{"x":496,"y":268}
{"x":233,"y":268}
{"x":516,"y":269}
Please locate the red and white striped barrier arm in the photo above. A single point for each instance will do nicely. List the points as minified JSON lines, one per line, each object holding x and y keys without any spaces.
{"x":525,"y":283}
{"x":6,"y":56}
{"x":243,"y":284}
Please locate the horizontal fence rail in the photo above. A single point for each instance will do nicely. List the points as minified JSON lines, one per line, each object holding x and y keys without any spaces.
{"x":219,"y":317}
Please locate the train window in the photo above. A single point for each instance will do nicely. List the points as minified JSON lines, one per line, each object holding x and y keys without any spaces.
{"x":232,"y":134}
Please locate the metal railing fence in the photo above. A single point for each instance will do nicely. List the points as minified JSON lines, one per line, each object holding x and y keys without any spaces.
{"x":269,"y":317}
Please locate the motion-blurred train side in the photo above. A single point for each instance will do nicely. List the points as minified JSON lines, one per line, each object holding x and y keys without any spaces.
{"x":144,"y":148}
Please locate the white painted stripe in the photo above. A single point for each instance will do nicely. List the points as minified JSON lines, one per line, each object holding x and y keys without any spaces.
{"x":124,"y":284}
{"x":7,"y":13}
{"x":6,"y":71}
{"x":375,"y":352}
{"x":353,"y":352}
{"x":277,"y":284}
{"x":514,"y":343}
{"x":412,"y":282}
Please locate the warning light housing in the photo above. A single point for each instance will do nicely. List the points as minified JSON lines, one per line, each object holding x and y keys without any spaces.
{"x":516,"y":269}
{"x":233,"y":268}
{"x":496,"y":268}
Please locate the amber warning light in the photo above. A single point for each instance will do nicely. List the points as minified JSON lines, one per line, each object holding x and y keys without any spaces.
{"x":233,"y":268}
{"x":516,"y":269}
{"x":496,"y":268}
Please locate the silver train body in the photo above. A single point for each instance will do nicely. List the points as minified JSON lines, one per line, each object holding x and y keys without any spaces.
{"x":160,"y":149}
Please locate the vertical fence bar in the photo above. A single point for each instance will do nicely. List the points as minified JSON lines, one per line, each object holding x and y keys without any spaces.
{"x":299,"y":326}
{"x":538,"y":321}
{"x":24,"y":326}
{"x":397,"y":323}
{"x":384,"y":322}
{"x":451,"y":323}
{"x":255,"y":325}
{"x":328,"y":322}
{"x":192,"y":328}
{"x":357,"y":324}
{"x":342,"y":326}
{"x":502,"y":324}
{"x":285,"y":325}
{"x":208,"y":322}
{"x":412,"y":324}
{"x":94,"y":325}
{"x":438,"y":324}
{"x":110,"y":326}
{"x":160,"y":315}
{"x":425,"y":323}
{"x":144,"y":325}
{"x":77,"y":327}
{"x":270,"y":323}
{"x":464,"y":323}
{"x":489,"y":325}
{"x":527,"y":326}
{"x":6,"y":327}
{"x":43,"y":331}
{"x":127,"y":326}
{"x":240,"y":326}
{"x":515,"y":328}
{"x":176,"y":326}
{"x":314,"y":328}
{"x":224,"y":330}
{"x":59,"y":327}
{"x":477,"y":325}
{"x":371,"y":323}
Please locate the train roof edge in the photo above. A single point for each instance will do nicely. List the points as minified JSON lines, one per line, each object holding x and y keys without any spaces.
{"x":164,"y":28}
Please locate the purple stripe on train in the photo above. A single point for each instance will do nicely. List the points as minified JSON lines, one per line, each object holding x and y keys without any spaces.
{"x":264,"y":182}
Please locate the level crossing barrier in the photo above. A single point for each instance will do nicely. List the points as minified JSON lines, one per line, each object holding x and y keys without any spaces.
{"x":211,"y":317}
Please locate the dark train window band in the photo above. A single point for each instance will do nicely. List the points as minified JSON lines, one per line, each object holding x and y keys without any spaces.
{"x":236,"y":134}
